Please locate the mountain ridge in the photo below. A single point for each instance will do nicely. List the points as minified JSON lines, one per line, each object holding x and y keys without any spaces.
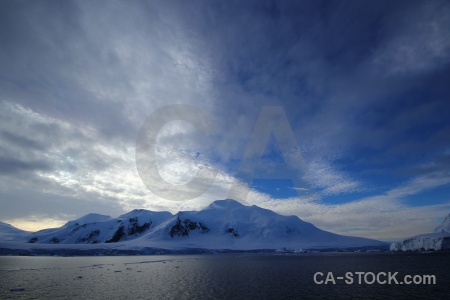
{"x":223,"y":224}
{"x":11,"y":233}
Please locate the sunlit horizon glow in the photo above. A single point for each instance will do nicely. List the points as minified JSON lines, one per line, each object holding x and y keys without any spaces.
{"x":34,"y":224}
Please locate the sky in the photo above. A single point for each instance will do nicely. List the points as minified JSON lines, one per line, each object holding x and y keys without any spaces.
{"x":334,"y":111}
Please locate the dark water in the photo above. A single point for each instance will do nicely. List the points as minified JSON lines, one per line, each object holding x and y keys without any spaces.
{"x":233,"y":276}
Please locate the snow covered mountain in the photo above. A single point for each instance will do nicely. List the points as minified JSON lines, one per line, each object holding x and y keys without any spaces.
{"x":227,"y":224}
{"x":224,"y":224}
{"x":96,"y":228}
{"x":439,"y":240}
{"x":11,"y":233}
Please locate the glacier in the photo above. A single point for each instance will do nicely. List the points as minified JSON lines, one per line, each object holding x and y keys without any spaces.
{"x":424,"y":242}
{"x":439,"y":240}
{"x":225,"y":225}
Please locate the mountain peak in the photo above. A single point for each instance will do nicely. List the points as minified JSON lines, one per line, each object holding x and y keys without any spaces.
{"x":8,"y":226}
{"x":225,"y":204}
{"x":10,"y":233}
{"x":90,"y":218}
{"x":135,"y":212}
{"x":144,"y":213}
{"x":444,"y":227}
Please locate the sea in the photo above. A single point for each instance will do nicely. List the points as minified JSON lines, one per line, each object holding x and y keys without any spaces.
{"x":228,"y":276}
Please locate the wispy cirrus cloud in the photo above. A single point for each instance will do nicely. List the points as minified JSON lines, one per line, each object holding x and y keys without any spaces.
{"x":387,"y":216}
{"x":329,"y":180}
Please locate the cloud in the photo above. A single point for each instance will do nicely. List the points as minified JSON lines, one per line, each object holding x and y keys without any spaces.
{"x":386,"y":216}
{"x":416,"y":46}
{"x":364,"y":88}
{"x":11,"y":166}
{"x":73,"y":108}
{"x":331,"y":181}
